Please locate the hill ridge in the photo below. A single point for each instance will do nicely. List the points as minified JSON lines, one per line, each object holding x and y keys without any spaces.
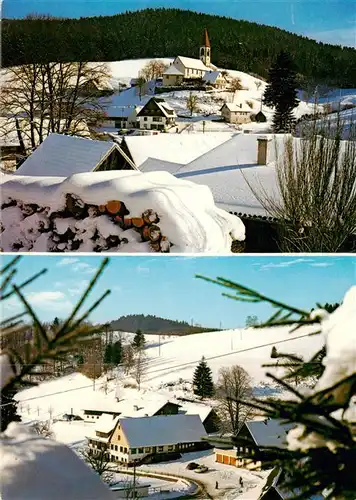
{"x":236,"y":44}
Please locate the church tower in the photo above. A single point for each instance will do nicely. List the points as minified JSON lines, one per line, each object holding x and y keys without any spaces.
{"x":205,"y":49}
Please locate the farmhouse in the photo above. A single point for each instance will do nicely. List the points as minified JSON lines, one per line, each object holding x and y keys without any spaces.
{"x":133,"y":439}
{"x":121,"y":117}
{"x":65,"y":155}
{"x":254,"y":436}
{"x":236,"y":112}
{"x":144,"y":406}
{"x":156,"y":115}
{"x":183,"y":68}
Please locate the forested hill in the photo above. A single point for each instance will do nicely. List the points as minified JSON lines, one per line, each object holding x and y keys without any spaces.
{"x":153,"y":324}
{"x":236,"y":44}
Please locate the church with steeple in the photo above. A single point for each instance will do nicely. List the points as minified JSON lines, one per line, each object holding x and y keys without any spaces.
{"x":186,"y":68}
{"x":205,"y":49}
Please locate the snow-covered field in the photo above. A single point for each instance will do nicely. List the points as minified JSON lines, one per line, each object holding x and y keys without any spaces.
{"x":170,"y":366}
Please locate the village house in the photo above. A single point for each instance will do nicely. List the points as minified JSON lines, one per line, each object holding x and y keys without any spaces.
{"x":254,"y":436}
{"x":121,"y":117}
{"x":183,"y":68}
{"x":65,"y":155}
{"x":144,"y":406}
{"x":216,"y":79}
{"x":131,"y":440}
{"x":156,"y":114}
{"x":234,"y":112}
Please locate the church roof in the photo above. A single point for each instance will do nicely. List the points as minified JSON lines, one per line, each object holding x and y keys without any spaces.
{"x":206,"y":41}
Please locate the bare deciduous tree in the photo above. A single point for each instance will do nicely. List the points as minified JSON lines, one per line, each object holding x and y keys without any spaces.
{"x":140,"y":366}
{"x":40,"y":98}
{"x":153,"y":69}
{"x":234,"y":383}
{"x":99,"y":461}
{"x":192,"y":103}
{"x":316,"y":177}
{"x":43,"y":429}
{"x":235,"y":85}
{"x":128,"y":358}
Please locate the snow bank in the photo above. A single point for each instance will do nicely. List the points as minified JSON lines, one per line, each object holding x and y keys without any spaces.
{"x":121,"y":211}
{"x":36,"y":468}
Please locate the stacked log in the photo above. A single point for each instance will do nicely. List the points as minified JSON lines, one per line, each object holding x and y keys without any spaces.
{"x":68,"y":236}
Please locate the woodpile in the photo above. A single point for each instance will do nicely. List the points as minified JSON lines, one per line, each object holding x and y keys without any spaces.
{"x":75,"y":224}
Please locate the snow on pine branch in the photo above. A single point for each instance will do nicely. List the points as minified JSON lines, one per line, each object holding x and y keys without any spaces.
{"x":337,"y":381}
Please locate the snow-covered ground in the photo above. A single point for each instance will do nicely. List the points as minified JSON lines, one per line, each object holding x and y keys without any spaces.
{"x":226,"y":476}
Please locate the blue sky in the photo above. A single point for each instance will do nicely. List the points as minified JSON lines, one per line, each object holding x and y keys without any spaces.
{"x":330,"y":21}
{"x":166,"y":286}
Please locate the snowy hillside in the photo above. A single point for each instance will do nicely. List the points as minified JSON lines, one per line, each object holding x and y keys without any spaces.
{"x":168,"y":361}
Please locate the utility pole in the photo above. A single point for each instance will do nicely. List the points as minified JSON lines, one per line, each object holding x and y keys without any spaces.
{"x":134,"y":480}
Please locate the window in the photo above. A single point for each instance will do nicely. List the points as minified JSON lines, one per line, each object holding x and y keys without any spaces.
{"x":125,"y":450}
{"x":158,"y":118}
{"x":145,"y":118}
{"x":170,"y":447}
{"x":133,"y":451}
{"x":160,"y":448}
{"x":116,"y":447}
{"x":111,"y":447}
{"x":120,"y":449}
{"x":140,"y":450}
{"x":147,"y":450}
{"x":118,"y":437}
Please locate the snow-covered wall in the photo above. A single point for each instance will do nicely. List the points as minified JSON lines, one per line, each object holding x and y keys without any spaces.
{"x":121,"y":211}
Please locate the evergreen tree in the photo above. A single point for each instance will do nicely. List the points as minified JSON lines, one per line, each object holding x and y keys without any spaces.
{"x":203,"y":385}
{"x":8,"y":409}
{"x":139,"y":340}
{"x":283,"y":120}
{"x":108,"y":355}
{"x":281,"y":92}
{"x":116,"y":353}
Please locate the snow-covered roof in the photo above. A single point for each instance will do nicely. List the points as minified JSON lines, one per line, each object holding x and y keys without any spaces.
{"x":175,"y":148}
{"x":271,"y":432}
{"x":236,"y":107}
{"x":189,"y":62}
{"x":173,"y":70}
{"x":202,"y":410}
{"x":165,"y":108}
{"x":211,"y":76}
{"x":154,"y":165}
{"x":163,"y":430}
{"x":106,"y":423}
{"x":64,"y":155}
{"x":146,"y":405}
{"x":36,"y":468}
{"x":231,"y":168}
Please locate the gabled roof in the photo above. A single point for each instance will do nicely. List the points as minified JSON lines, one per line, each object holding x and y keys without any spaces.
{"x":211,"y":76}
{"x":162,"y":430}
{"x":163,"y":106}
{"x":189,"y":62}
{"x":271,"y":432}
{"x":173,"y":148}
{"x":190,"y":408}
{"x":237,"y":107}
{"x":64,"y":155}
{"x":145,"y":406}
{"x":106,"y":423}
{"x":173,"y":70}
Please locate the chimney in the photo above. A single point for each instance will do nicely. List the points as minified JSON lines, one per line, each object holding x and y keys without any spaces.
{"x":262,"y":150}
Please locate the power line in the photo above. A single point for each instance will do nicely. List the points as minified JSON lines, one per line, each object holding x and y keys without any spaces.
{"x":175,"y":367}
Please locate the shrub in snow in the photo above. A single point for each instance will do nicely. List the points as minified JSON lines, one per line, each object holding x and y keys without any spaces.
{"x":125,"y":211}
